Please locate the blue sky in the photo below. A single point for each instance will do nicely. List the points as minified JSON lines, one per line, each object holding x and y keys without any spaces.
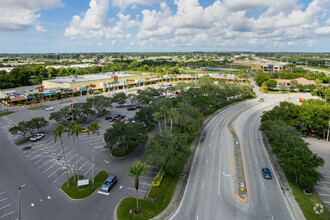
{"x":54,"y":26}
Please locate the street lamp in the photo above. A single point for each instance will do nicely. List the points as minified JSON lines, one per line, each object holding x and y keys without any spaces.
{"x":19,"y":201}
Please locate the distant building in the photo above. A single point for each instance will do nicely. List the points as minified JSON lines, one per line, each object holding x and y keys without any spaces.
{"x":288,"y":82}
{"x":273,"y":67}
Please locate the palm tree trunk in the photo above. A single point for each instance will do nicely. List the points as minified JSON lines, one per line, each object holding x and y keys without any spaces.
{"x":160,"y":127}
{"x":165,"y":119}
{"x":137,"y":193}
{"x":75,"y":154}
{"x":66,"y":165}
{"x":171,"y":123}
{"x":93,"y":164}
{"x":78,"y":157}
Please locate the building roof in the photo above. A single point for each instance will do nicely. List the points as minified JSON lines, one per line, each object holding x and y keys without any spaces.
{"x":17,"y":98}
{"x":300,"y":80}
{"x":87,"y":78}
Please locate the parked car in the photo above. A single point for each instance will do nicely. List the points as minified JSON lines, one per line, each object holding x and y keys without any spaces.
{"x":266,"y":173}
{"x":109,"y":183}
{"x":131,"y":108}
{"x":116,"y":120}
{"x":107,"y":117}
{"x":111,"y":119}
{"x":84,"y":130}
{"x":122,"y":116}
{"x":37,"y":137}
{"x":130,"y":120}
{"x":117,"y":116}
{"x":49,"y":108}
{"x":261,"y":99}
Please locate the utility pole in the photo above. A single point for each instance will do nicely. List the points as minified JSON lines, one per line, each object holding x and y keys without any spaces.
{"x":19,"y":201}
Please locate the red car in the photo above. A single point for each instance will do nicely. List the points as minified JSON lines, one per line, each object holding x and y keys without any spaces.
{"x":116,"y":120}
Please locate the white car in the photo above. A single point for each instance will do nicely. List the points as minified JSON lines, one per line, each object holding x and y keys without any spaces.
{"x":50,"y":108}
{"x":37,"y":137}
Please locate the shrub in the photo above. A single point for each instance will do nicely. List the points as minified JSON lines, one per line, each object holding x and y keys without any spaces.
{"x":28,"y":103}
{"x":51,"y":99}
{"x":158,"y":179}
{"x":19,"y":104}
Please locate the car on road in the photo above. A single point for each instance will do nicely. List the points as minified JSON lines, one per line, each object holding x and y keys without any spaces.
{"x":37,"y":137}
{"x":49,"y":108}
{"x":109,"y":183}
{"x":131,"y":108}
{"x":266,"y":173}
{"x":261,"y":99}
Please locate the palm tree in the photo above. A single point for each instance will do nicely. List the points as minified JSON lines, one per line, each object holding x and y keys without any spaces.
{"x":71,"y":131}
{"x":77,"y":130}
{"x":136,"y":171}
{"x":164,"y":110}
{"x":87,"y":86}
{"x":159,"y":116}
{"x":70,"y":91}
{"x":174,"y":115}
{"x":94,"y":129}
{"x":92,"y":88}
{"x":58,"y":131}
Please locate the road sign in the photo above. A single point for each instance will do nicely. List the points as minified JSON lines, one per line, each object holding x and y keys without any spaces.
{"x":83,"y":182}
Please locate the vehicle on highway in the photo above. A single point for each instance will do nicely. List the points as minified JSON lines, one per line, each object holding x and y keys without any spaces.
{"x":49,"y":108}
{"x":84,"y":130}
{"x":261,"y":99}
{"x":266,"y":173}
{"x":109,"y":183}
{"x":37,"y":137}
{"x":131,"y":108}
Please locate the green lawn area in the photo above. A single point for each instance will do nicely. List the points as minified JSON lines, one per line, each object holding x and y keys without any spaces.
{"x":84,"y":191}
{"x":148,"y":208}
{"x":307,"y":203}
{"x":35,"y":108}
{"x":5,"y":113}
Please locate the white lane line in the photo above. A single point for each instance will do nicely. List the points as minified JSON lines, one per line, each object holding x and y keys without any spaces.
{"x":45,"y":163}
{"x":5,"y":206}
{"x":143,"y":183}
{"x":37,"y":156}
{"x":105,"y":149}
{"x":263,"y":186}
{"x":272,"y":217}
{"x":2,"y":193}
{"x":322,"y":188}
{"x":54,"y":172}
{"x":83,"y":165}
{"x":327,"y":202}
{"x":321,"y":194}
{"x":32,"y":153}
{"x":219,"y":185}
{"x":138,"y":190}
{"x":203,"y":185}
{"x":42,"y":159}
{"x":98,"y":147}
{"x":256,"y":161}
{"x":3,"y":199}
{"x":88,"y":170}
{"x":7,"y":214}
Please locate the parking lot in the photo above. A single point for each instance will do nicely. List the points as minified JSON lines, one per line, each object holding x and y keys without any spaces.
{"x":6,"y":207}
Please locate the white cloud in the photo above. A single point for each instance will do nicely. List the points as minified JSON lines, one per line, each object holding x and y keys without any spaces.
{"x":99,"y":44}
{"x":246,"y":5}
{"x":19,"y":15}
{"x":325,"y":31}
{"x":94,"y":23}
{"x":123,"y":4}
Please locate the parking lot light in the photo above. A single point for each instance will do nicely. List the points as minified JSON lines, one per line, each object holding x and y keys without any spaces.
{"x":19,"y":201}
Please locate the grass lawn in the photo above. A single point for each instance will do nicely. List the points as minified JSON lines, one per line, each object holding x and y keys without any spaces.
{"x":307,"y":203}
{"x":35,"y":108}
{"x":148,"y":208}
{"x":84,"y":191}
{"x":5,"y":113}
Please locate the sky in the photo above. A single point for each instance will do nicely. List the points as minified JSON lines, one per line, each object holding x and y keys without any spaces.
{"x":73,"y":26}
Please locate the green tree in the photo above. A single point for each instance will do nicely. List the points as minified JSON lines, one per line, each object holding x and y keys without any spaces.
{"x":174,"y":115}
{"x":164,"y":109}
{"x":22,"y":128}
{"x":261,"y":77}
{"x":58,"y":131}
{"x":38,"y":123}
{"x":137,"y":170}
{"x":159,"y":116}
{"x":271,"y":83}
{"x":94,"y":129}
{"x":282,"y":87}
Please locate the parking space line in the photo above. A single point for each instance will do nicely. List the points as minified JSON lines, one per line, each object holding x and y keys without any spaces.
{"x":42,"y":158}
{"x":2,"y":193}
{"x":7,"y":214}
{"x":5,"y":206}
{"x":37,"y":155}
{"x":321,"y":194}
{"x":54,"y":172}
{"x":49,"y":167}
{"x":146,"y":177}
{"x":3,"y":199}
{"x":83,"y":165}
{"x":148,"y":184}
{"x":88,"y":170}
{"x":59,"y":176}
{"x":45,"y":163}
{"x":105,"y":149}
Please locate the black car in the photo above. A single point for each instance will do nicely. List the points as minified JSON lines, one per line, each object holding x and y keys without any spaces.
{"x":122,"y":116}
{"x":117,"y":116}
{"x":107,"y":117}
{"x":131,"y":108}
{"x":111,"y":119}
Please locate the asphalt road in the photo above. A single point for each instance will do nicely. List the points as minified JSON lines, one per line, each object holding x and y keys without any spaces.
{"x":40,"y":167}
{"x":210,"y":193}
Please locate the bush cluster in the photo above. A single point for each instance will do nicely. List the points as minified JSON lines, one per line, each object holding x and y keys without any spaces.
{"x":158,"y":179}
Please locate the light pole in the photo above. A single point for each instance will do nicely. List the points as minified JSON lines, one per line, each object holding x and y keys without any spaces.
{"x":19,"y":201}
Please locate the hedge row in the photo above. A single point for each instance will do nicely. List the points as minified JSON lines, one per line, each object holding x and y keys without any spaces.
{"x":158,"y":179}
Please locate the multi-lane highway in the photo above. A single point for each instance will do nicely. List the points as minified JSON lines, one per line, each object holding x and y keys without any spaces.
{"x":212,"y":191}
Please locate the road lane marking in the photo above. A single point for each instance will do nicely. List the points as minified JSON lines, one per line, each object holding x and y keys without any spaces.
{"x":263,"y":186}
{"x":219,"y":183}
{"x":59,"y":176}
{"x":3,"y":199}
{"x":203,"y":185}
{"x":138,"y":190}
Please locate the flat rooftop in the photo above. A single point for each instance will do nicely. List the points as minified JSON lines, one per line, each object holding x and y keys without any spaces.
{"x":87,"y":78}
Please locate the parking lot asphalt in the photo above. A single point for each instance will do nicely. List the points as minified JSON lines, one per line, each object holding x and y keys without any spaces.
{"x":321,"y":148}
{"x":45,"y":157}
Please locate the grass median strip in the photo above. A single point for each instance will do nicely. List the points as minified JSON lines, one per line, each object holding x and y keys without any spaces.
{"x":5,"y":113}
{"x":162,"y":196}
{"x":75,"y":192}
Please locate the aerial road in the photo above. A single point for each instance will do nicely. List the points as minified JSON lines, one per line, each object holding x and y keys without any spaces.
{"x":226,"y":180}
